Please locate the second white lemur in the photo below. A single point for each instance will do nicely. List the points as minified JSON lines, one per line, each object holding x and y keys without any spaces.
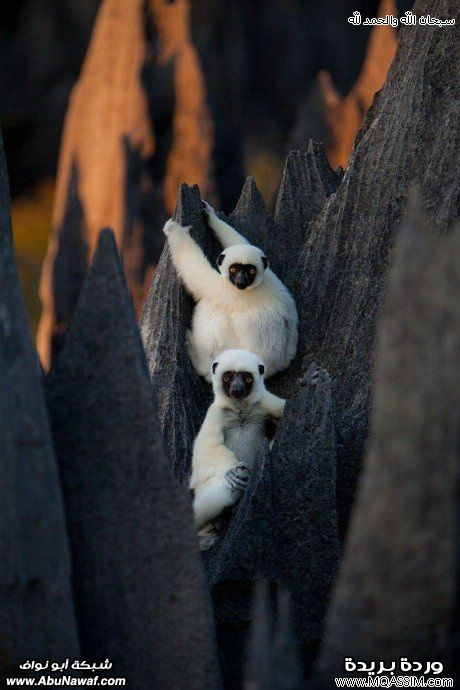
{"x":231,"y":436}
{"x":242,"y":305}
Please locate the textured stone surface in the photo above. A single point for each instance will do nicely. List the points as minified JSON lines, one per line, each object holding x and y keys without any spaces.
{"x":259,"y":673}
{"x":273,"y":660}
{"x":305,"y":531}
{"x":287,"y":669}
{"x":138,"y":581}
{"x":285,"y":526}
{"x":306,"y":183}
{"x":410,"y":133}
{"x":395,"y":593}
{"x":36,"y":612}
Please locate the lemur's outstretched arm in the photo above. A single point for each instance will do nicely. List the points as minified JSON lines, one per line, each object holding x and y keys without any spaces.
{"x":227,"y":235}
{"x":194,"y":269}
{"x":273,"y":405}
{"x":215,"y":479}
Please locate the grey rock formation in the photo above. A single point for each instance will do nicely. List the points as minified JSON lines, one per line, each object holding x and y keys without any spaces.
{"x":273,"y":659}
{"x":410,"y":134}
{"x":305,"y":529}
{"x":395,"y":594}
{"x":307,"y":182}
{"x":138,"y":582}
{"x":259,"y":673}
{"x":286,"y":665}
{"x":285,"y":527}
{"x":36,"y":612}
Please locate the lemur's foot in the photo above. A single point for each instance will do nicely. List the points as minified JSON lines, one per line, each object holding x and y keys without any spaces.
{"x":312,"y":378}
{"x":207,"y":540}
{"x":207,"y":536}
{"x":237,"y":478}
{"x":173,"y":226}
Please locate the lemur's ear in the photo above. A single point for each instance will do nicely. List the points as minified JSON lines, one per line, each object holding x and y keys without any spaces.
{"x":214,"y":367}
{"x":220,"y":258}
{"x":265,"y":261}
{"x":261,"y":369}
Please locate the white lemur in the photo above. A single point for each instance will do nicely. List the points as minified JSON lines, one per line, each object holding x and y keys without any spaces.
{"x":244,"y":305}
{"x":232,"y":435}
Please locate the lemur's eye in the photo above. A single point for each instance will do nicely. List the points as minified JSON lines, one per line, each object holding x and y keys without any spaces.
{"x":248,"y":378}
{"x":252,"y":271}
{"x":232,"y":270}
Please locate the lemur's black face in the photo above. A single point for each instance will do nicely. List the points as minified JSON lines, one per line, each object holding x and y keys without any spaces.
{"x":237,"y":384}
{"x":242,"y":275}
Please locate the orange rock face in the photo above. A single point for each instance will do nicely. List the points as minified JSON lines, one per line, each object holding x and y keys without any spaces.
{"x":344,"y":116}
{"x":109,"y":170}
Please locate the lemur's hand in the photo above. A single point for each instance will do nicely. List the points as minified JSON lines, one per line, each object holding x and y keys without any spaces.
{"x":171,"y":226}
{"x":237,"y":478}
{"x":208,"y":211}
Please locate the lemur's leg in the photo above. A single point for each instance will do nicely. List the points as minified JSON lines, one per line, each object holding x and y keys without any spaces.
{"x":197,"y":274}
{"x":273,"y":405}
{"x":227,"y":235}
{"x":209,"y":534}
{"x":211,"y":462}
{"x":218,"y":493}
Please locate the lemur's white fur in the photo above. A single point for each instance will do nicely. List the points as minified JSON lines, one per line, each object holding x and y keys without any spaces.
{"x":262,"y":318}
{"x":230,"y":438}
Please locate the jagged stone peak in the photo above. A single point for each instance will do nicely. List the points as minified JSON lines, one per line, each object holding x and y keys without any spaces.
{"x":37,"y":619}
{"x":413,"y":456}
{"x":253,"y":219}
{"x":188,"y":204}
{"x":125,"y":510}
{"x":104,"y":304}
{"x":307,"y":181}
{"x":250,"y":200}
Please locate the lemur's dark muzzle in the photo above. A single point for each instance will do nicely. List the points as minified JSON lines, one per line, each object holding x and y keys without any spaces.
{"x":237,"y":387}
{"x":242,"y":280}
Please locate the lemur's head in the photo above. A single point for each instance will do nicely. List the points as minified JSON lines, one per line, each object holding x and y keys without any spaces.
{"x":243,"y":265}
{"x":238,"y":374}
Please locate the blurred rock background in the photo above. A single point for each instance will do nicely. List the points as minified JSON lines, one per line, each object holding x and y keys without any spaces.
{"x":274,"y":73}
